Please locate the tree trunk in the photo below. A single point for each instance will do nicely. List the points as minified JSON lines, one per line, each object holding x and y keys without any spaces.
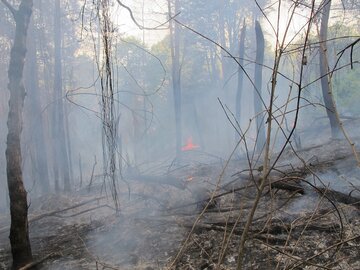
{"x":224,"y":69}
{"x":61,"y":141}
{"x":176,"y":74}
{"x":260,"y":125}
{"x":240,"y":75}
{"x":68,"y":141}
{"x":37,"y":127}
{"x":19,"y":231}
{"x":324,"y":70}
{"x":215,"y":73}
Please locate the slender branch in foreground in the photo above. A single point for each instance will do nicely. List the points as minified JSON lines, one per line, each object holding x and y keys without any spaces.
{"x":142,"y":27}
{"x":10,"y":7}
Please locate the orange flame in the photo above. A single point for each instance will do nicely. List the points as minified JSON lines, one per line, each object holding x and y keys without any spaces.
{"x":189,"y":145}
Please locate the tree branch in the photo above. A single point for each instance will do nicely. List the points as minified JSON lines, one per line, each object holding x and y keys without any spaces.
{"x":10,"y":7}
{"x":142,"y":27}
{"x":351,"y":46}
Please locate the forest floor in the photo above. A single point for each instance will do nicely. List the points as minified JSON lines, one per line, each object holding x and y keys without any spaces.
{"x":307,"y":218}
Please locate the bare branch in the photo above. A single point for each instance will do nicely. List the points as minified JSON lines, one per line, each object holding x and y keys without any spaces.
{"x":10,"y":7}
{"x":351,"y":46}
{"x":142,"y":27}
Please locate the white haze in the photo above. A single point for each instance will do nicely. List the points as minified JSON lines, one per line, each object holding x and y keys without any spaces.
{"x":150,"y":150}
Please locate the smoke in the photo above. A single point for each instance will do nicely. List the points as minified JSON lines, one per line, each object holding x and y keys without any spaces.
{"x":155,"y":183}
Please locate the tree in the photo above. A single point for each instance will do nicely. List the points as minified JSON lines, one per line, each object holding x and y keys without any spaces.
{"x":58,"y":124}
{"x":260,"y":49}
{"x":176,"y":71}
{"x":324,"y":70}
{"x":19,"y":231}
{"x":240,"y":73}
{"x":37,"y":127}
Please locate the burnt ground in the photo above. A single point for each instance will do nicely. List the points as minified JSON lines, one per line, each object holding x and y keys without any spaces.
{"x":308,"y":218}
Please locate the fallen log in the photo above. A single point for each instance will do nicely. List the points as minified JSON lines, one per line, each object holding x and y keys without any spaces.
{"x":293,"y":187}
{"x":329,"y":193}
{"x":341,"y":197}
{"x":271,"y":233}
{"x":55,"y":212}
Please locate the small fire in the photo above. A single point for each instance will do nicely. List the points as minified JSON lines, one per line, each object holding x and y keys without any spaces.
{"x":189,"y":145}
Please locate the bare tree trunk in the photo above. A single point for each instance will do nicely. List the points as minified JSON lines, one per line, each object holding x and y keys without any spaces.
{"x":55,"y":155}
{"x":324,"y":70}
{"x":19,"y":231}
{"x":68,"y":141}
{"x":215,"y":78}
{"x":61,"y":141}
{"x":176,"y":73}
{"x":37,"y":127}
{"x":260,"y":125}
{"x":240,"y":75}
{"x":224,"y":69}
